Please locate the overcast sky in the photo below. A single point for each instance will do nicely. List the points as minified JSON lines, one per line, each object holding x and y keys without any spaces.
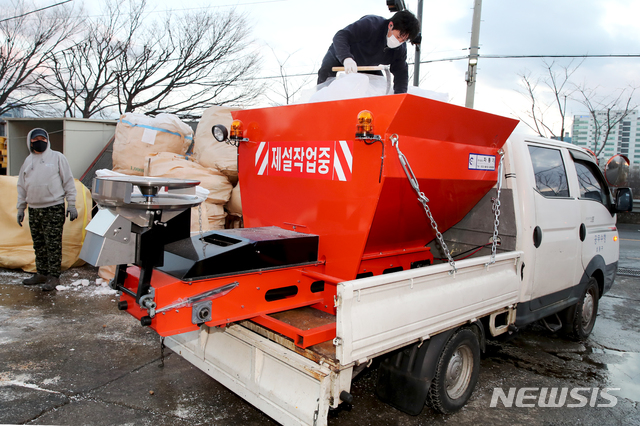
{"x":303,"y":29}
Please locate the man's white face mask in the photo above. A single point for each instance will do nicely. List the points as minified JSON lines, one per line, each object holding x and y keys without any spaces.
{"x":393,"y":42}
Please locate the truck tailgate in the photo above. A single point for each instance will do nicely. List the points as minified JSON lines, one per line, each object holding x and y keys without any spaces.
{"x":290,"y":388}
{"x":384,"y":312}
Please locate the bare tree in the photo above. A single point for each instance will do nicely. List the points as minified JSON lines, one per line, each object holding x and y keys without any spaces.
{"x":286,"y":86}
{"x":27,"y":41}
{"x":182,"y":64}
{"x":557,"y":81}
{"x":536,"y":114}
{"x":606,"y":112}
{"x":188,"y":63}
{"x":83,"y":77}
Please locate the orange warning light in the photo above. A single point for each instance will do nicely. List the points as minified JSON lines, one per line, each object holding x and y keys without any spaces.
{"x":236,"y":130}
{"x":364,"y":129}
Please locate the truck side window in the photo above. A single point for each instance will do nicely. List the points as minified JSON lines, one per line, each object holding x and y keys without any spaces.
{"x":590,"y":186}
{"x":548,"y":167}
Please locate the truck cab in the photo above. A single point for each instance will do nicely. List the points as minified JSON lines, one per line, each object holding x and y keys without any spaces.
{"x":567,"y":226}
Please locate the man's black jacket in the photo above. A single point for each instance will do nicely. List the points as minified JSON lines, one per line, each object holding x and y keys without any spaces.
{"x":366,"y":42}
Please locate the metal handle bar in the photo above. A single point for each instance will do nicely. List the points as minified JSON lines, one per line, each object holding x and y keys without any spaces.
{"x":365,"y":68}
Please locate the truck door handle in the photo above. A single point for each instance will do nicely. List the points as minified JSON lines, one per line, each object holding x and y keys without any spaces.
{"x":583,"y":232}
{"x":537,"y":236}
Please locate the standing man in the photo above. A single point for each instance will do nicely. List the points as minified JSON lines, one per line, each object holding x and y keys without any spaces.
{"x":44,"y":182}
{"x":371,"y":41}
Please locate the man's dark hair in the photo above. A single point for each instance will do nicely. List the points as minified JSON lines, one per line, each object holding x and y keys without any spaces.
{"x":408,"y":25}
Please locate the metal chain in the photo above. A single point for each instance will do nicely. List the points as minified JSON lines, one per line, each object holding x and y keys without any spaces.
{"x":422,"y":199}
{"x":496,"y":209}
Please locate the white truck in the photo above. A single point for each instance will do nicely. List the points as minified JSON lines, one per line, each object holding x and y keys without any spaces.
{"x":538,"y":244}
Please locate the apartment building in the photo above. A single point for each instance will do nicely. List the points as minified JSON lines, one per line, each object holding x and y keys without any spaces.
{"x":624,"y":138}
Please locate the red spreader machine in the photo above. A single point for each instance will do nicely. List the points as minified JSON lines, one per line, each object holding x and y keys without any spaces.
{"x":331,"y":192}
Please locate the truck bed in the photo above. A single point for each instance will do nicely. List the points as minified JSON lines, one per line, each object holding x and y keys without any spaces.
{"x":375,"y":315}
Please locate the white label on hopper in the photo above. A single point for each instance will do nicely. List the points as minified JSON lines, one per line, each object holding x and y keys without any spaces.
{"x":482,"y":162}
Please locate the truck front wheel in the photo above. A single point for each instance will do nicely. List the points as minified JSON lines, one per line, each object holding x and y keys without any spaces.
{"x":456,"y":372}
{"x":582,"y":316}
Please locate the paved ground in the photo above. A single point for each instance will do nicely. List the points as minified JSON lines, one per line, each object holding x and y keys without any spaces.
{"x":70,"y":357}
{"x":629,"y":245}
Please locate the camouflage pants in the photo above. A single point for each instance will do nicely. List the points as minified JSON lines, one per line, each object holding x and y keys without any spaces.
{"x":46,"y":231}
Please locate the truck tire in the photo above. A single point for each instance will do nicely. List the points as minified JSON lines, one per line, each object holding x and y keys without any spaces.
{"x":456,"y":372}
{"x":582,"y":316}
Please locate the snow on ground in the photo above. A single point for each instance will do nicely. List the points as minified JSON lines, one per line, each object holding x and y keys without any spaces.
{"x":69,"y":283}
{"x":22,"y":380}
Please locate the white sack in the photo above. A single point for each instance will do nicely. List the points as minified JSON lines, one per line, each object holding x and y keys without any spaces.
{"x":139,"y":135}
{"x":350,"y":86}
{"x":207,"y":151}
{"x":234,"y":206}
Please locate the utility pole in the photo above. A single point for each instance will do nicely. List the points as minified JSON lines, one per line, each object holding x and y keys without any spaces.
{"x":473,"y":54}
{"x":416,"y":65}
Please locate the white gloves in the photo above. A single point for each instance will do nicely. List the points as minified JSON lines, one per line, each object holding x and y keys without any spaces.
{"x":350,"y":66}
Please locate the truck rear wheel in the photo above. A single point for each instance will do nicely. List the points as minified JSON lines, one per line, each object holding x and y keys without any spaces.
{"x":582,"y":316}
{"x":456,"y":372}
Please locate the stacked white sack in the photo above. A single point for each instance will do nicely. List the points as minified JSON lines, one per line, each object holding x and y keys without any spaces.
{"x":221,"y":156}
{"x":234,"y":208}
{"x":176,"y":166}
{"x":210,"y":153}
{"x":139,"y":135}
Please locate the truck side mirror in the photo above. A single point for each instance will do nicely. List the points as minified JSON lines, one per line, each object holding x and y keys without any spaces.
{"x":617,"y":170}
{"x":624,"y":200}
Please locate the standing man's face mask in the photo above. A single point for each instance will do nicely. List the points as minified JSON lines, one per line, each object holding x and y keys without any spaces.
{"x":39,"y":146}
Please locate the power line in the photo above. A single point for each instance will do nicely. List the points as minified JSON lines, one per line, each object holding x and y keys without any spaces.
{"x":157,"y":11}
{"x":185,"y":9}
{"x":457,"y":58}
{"x":226,"y":5}
{"x":34,"y":11}
{"x":610,"y":55}
{"x":278,"y":76}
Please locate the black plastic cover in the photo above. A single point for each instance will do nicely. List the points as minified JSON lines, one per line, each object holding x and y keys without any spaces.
{"x":235,"y":251}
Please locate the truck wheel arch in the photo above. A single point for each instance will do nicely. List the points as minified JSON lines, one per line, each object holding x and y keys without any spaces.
{"x":598,"y":275}
{"x":598,"y":269}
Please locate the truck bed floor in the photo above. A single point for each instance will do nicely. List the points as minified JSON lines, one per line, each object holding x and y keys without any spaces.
{"x":304,"y":318}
